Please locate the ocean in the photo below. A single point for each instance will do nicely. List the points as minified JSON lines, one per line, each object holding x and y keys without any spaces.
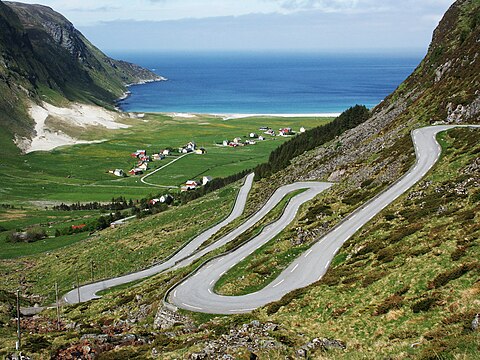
{"x":265,"y":83}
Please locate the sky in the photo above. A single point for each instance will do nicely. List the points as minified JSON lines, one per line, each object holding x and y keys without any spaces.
{"x":255,"y":25}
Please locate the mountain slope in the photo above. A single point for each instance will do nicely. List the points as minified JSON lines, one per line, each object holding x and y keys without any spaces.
{"x":44,"y":57}
{"x":405,"y":286}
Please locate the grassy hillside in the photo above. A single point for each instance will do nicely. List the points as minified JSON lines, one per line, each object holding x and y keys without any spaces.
{"x":405,"y":286}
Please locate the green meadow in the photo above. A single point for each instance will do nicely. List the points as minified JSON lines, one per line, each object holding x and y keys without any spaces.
{"x":33,"y":183}
{"x":80,"y":172}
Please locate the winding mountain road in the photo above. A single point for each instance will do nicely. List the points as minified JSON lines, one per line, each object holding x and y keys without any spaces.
{"x":88,"y":292}
{"x":196,"y":292}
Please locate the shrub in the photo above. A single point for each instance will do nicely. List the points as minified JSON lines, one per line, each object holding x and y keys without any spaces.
{"x":424,"y":304}
{"x":403,"y":232}
{"x":36,"y":343}
{"x":386,"y":255}
{"x":392,"y":302}
{"x":372,"y":277}
{"x":445,"y":277}
{"x":458,"y":253}
{"x":29,"y":236}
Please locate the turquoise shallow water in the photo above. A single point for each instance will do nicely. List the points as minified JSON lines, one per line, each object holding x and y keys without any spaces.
{"x":253,"y":83}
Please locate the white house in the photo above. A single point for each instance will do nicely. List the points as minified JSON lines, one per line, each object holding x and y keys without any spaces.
{"x":119,"y":173}
{"x":206,"y":180}
{"x":166,"y":199}
{"x":191,"y":185}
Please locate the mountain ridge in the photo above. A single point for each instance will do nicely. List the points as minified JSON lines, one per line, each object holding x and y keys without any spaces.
{"x":44,"y":57}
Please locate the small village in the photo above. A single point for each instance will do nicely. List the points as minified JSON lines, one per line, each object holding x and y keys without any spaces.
{"x":143,"y":159}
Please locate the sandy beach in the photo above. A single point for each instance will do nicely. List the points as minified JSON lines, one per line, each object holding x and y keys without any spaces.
{"x":77,"y":115}
{"x":81,"y":115}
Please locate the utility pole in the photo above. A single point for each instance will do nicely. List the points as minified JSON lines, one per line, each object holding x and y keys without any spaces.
{"x":78,"y":288}
{"x":19,"y":334}
{"x":58,"y":306}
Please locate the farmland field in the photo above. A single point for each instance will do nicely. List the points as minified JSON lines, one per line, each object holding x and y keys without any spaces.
{"x":80,"y":172}
{"x":33,"y":183}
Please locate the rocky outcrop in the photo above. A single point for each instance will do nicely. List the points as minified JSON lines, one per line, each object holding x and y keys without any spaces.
{"x":166,"y":319}
{"x":319,"y":344}
{"x":253,"y":336}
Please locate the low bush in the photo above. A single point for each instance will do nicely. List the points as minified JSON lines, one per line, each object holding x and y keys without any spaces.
{"x":403,"y":232}
{"x":285,"y":300}
{"x":392,"y":302}
{"x":447,"y":276}
{"x":424,"y":304}
{"x":28,"y":236}
{"x":458,"y":253}
{"x":386,"y":255}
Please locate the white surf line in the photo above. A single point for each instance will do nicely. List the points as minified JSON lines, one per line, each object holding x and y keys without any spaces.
{"x":142,"y":179}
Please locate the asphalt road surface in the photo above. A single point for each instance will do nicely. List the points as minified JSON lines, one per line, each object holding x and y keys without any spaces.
{"x":196,"y":292}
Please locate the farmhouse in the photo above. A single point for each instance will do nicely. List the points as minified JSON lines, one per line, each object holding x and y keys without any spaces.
{"x":119,"y":172}
{"x":206,"y":180}
{"x":190,"y":147}
{"x":143,"y":166}
{"x":166,"y":199}
{"x":138,"y":153}
{"x":189,"y":185}
{"x":286,"y":132}
{"x":136,"y":171}
{"x":157,"y":157}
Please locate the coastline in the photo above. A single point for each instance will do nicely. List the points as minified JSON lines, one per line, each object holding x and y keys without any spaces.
{"x":127,"y":93}
{"x":242,"y":116}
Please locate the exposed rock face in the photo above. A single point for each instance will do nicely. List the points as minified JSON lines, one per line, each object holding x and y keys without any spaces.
{"x":167,"y":319}
{"x":316,"y":344}
{"x":462,"y":113}
{"x":253,"y":336}
{"x":67,"y":37}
